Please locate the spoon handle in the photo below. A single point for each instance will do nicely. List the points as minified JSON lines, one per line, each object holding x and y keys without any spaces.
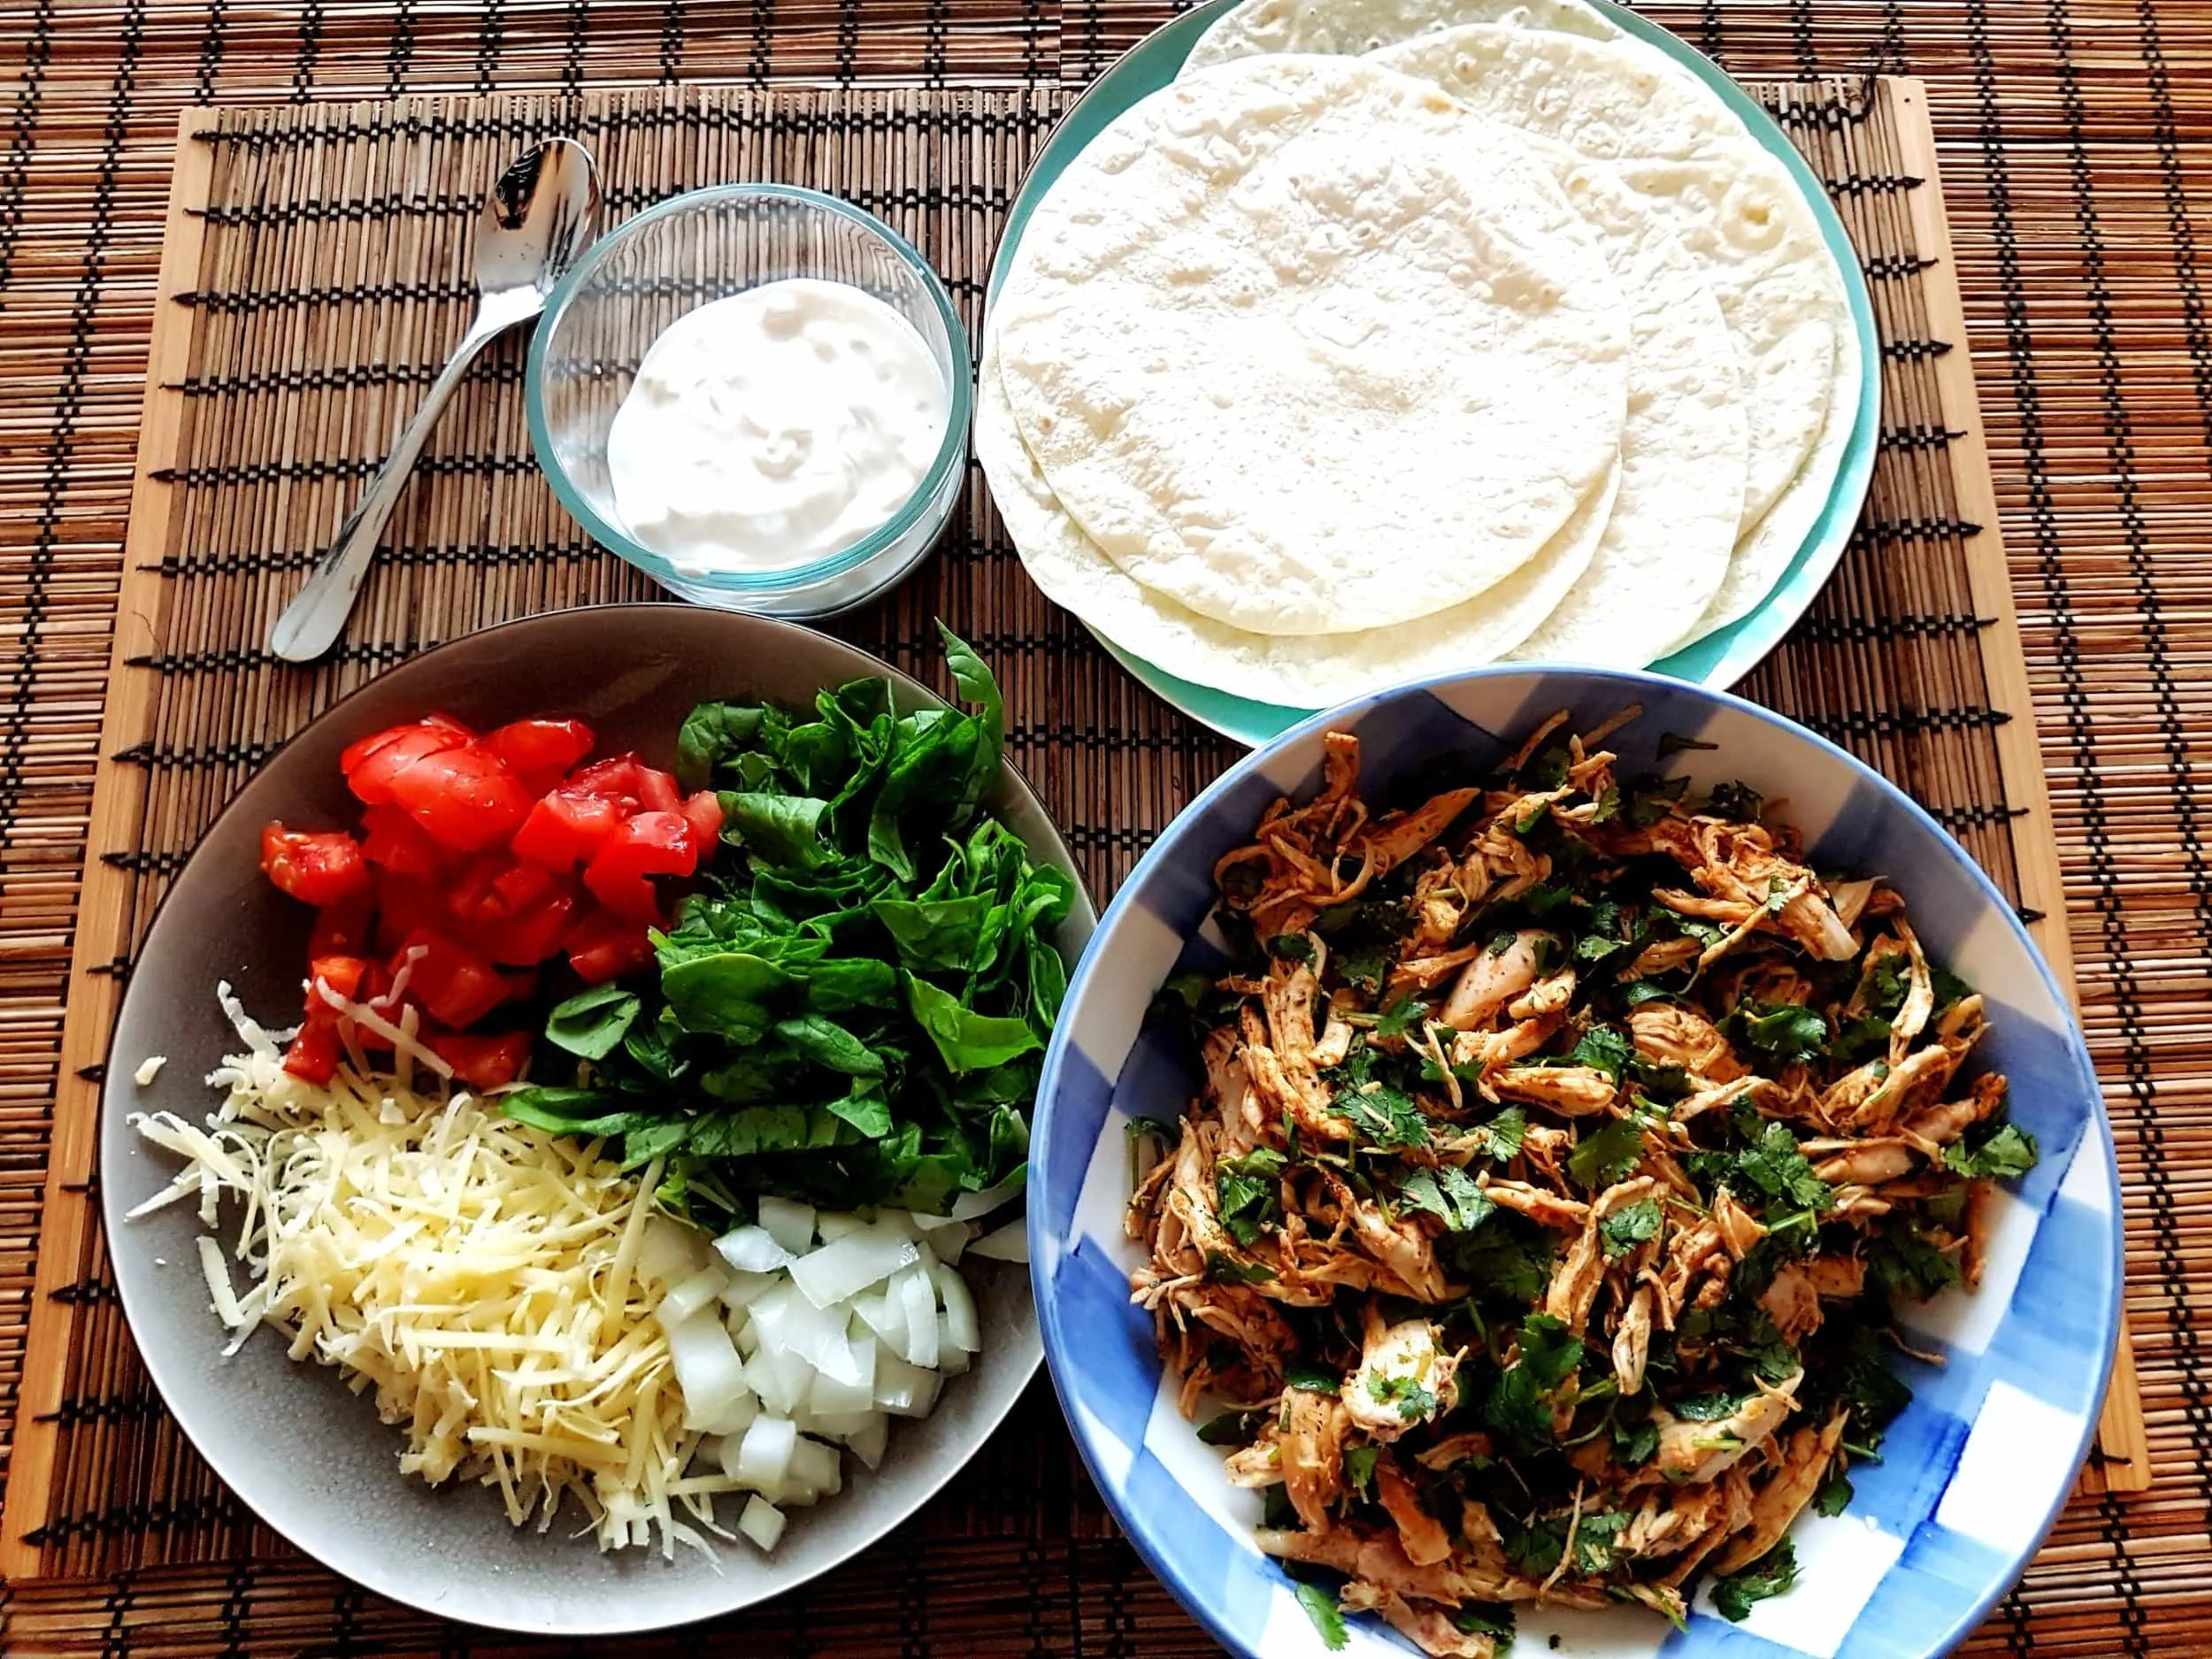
{"x":316,"y":617}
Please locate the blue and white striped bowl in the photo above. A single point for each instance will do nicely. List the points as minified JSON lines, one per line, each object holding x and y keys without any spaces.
{"x":1973,"y":1472}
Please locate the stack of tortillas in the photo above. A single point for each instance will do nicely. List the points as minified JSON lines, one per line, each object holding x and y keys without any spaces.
{"x":1400,"y":336}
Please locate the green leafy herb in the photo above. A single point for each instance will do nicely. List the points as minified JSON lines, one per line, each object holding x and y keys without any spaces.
{"x":1476,"y":1618}
{"x":2006,"y":1153}
{"x":1671,"y":743}
{"x":1711,"y":1408}
{"x":1227,"y":1269}
{"x":1605,"y":1155}
{"x":1773,"y":1574}
{"x":1835,"y":1495}
{"x":1776,"y":1170}
{"x":1277,"y":1511}
{"x":1359,"y":1467}
{"x":1322,"y":1609}
{"x":1291,"y":947}
{"x":1595,"y":1538}
{"x":1519,"y":1406}
{"x":1413,"y":1400}
{"x":1312,"y":1378}
{"x":1248,"y":1190}
{"x":1231,"y":1428}
{"x":1448,"y":1193}
{"x":1403,"y":1015}
{"x":1624,"y":1229}
{"x":591,"y":1023}
{"x":1784,"y":1031}
{"x":1737,"y":801}
{"x":1604,"y":1048}
{"x":1536,"y":1547}
{"x":1500,"y":1137}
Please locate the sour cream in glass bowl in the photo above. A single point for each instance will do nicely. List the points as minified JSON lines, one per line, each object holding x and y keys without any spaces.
{"x":757,"y":394}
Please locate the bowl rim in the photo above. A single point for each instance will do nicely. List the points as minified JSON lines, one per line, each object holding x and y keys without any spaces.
{"x":951,"y":455}
{"x":117,"y":1103}
{"x":1058,"y":1348}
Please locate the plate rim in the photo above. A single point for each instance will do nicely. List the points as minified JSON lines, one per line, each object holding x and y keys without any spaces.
{"x":2099,"y":1128}
{"x":186,"y":1406}
{"x":1734,"y":651}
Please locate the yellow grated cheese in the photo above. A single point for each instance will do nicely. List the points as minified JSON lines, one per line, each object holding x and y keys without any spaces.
{"x":483,"y":1279}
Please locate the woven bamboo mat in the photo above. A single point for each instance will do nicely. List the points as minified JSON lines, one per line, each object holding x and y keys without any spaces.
{"x":2067,"y":143}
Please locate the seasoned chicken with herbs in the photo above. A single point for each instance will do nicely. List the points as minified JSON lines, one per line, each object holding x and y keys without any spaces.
{"x":1566,"y":1144}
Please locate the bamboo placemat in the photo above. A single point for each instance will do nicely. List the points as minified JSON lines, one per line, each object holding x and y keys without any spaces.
{"x":2058,"y":276}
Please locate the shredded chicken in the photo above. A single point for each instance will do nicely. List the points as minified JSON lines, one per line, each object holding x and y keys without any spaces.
{"x":1554,"y":1173}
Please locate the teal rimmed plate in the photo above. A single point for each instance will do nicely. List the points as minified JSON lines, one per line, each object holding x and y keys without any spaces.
{"x":1719,"y":659}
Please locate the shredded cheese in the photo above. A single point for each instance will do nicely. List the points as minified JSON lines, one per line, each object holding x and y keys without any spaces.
{"x":484,"y":1278}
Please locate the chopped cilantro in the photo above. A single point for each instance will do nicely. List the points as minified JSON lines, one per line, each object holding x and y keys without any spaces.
{"x":1624,"y":1230}
{"x":1605,"y":1155}
{"x":1290,"y":947}
{"x":2007,"y":1153}
{"x":1402,"y":1016}
{"x":1231,"y":1428}
{"x":1228,"y":1270}
{"x":1546,"y":897}
{"x":1777,"y":895}
{"x":1413,"y":1400}
{"x":1885,"y":983}
{"x":1861,"y":1040}
{"x":1385,"y":1116}
{"x":1500,"y":1137}
{"x":1474,"y":1618}
{"x":1605,"y":1049}
{"x":1651,"y":799}
{"x":1520,"y":1402}
{"x":1595,"y":1538}
{"x":1502,"y":942}
{"x":1277,"y":1511}
{"x":1249,"y":1191}
{"x":1637,"y":992}
{"x":1609,"y":804}
{"x":1509,"y":1264}
{"x":1534,"y":1548}
{"x":1448,"y":1193}
{"x":1312,"y":1378}
{"x":1835,"y":1493}
{"x":1547,"y":768}
{"x":1532,"y":817}
{"x":1322,"y":1609}
{"x":1633,"y":1443}
{"x":1776,"y":1170}
{"x":1141,"y":1128}
{"x":1772,"y":1574}
{"x":1905,"y":1262}
{"x":1948,"y":987}
{"x":1735,"y":800}
{"x":1359,"y":1467}
{"x":1711,"y":1408}
{"x":1784,"y":1032}
{"x":1362,"y":966}
{"x":1672,"y":743}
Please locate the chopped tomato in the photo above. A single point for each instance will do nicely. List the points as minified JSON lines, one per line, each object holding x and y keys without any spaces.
{"x":393,"y":839}
{"x":375,"y":764}
{"x":404,"y":903}
{"x":342,"y":975}
{"x":522,"y":984}
{"x":341,"y":929}
{"x":602,"y":947}
{"x":651,"y":844}
{"x":463,"y":797}
{"x":657,"y":791}
{"x":533,"y":747}
{"x":566,"y":827}
{"x":482,"y":1062}
{"x":315,"y":1053}
{"x":454,"y":984}
{"x":703,"y":810}
{"x":320,"y":868}
{"x":614,"y":778}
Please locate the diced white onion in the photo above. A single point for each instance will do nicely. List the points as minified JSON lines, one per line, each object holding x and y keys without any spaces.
{"x":831,"y":1225}
{"x":842,"y":1425}
{"x":867,"y":1442}
{"x":960,"y":1326}
{"x":764,"y":1456}
{"x":762,"y":1521}
{"x":670,"y":1251}
{"x":857,"y":1259}
{"x":949,"y":1238}
{"x":707,"y":1368}
{"x":687,"y":1295}
{"x":851,"y":1392}
{"x":885,"y":1316}
{"x":754,"y":1250}
{"x":975,"y":1206}
{"x":904,"y":1390}
{"x":1009,"y":1243}
{"x":917,"y":1298}
{"x":814,"y":1466}
{"x":789,"y":1223}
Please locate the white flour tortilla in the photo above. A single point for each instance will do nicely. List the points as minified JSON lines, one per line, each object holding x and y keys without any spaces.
{"x":1293,"y":670}
{"x":1349,"y":28}
{"x":1733,"y":205}
{"x":1293,"y":352}
{"x":1762,"y":556}
{"x":1666,"y":547}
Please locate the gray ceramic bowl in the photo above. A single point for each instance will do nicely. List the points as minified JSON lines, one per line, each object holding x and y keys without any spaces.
{"x":307,"y":1456}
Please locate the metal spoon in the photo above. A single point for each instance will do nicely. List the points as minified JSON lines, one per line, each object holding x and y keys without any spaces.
{"x":536,"y":219}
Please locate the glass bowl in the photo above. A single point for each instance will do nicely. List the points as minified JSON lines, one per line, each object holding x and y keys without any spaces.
{"x":673,"y":257}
